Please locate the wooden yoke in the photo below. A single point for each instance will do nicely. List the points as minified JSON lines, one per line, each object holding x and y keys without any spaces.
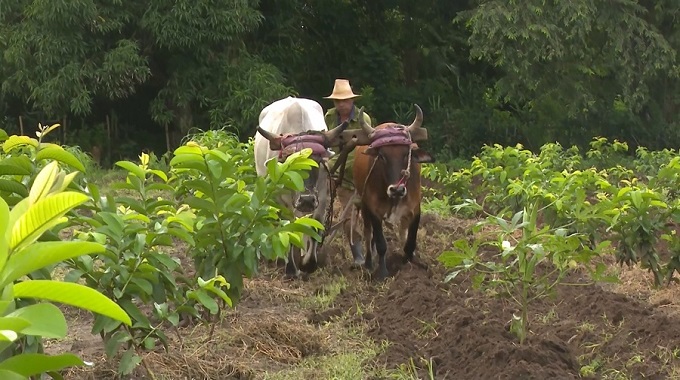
{"x":364,"y":135}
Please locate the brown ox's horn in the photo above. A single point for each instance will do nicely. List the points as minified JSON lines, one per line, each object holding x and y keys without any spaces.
{"x":365,"y":127}
{"x":418,"y":121}
{"x":333,"y":134}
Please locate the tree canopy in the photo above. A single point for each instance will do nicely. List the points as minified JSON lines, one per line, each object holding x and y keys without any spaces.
{"x":484,"y":71}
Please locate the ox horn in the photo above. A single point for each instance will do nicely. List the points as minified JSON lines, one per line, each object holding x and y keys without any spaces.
{"x":274,"y":140}
{"x":418,"y":121}
{"x":334,"y":133}
{"x":266,"y":134}
{"x":364,"y":126}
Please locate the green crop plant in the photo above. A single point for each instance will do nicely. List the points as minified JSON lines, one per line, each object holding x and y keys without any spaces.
{"x":532,"y":258}
{"x":21,"y":253}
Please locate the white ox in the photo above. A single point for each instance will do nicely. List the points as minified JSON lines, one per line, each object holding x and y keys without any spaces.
{"x":284,"y":127}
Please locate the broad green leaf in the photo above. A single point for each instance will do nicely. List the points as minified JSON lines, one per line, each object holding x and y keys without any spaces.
{"x":14,"y":323}
{"x":128,"y":362}
{"x":43,"y":182}
{"x":35,"y":364}
{"x":132,"y":168}
{"x":45,"y":320}
{"x":11,"y":166}
{"x":623,"y":191}
{"x":114,"y":342}
{"x":160,"y":174}
{"x":41,"y":254}
{"x":56,"y":152}
{"x":188,"y":162}
{"x":8,"y":335}
{"x":134,"y":312}
{"x":636,"y":198}
{"x":296,"y":179}
{"x":220,"y":156}
{"x":71,"y":294}
{"x":4,"y":222}
{"x":202,"y":296}
{"x":17,"y":141}
{"x":9,"y":375}
{"x":310,"y":222}
{"x":68,"y":178}
{"x":43,"y":215}
{"x":22,"y":161}
{"x":187,"y":150}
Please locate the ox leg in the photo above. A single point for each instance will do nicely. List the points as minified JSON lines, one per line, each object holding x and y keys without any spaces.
{"x":357,"y":254}
{"x":291,"y":269}
{"x":368,"y":240}
{"x":410,"y":245}
{"x":380,"y":246}
{"x":355,"y":242}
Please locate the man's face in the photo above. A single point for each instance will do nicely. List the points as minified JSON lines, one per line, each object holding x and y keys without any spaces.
{"x":344,"y":106}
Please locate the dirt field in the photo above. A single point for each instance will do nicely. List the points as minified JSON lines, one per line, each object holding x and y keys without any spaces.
{"x":339,"y":325}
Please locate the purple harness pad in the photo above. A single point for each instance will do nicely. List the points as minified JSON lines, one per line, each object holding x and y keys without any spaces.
{"x":390,"y":136}
{"x":295,"y":143}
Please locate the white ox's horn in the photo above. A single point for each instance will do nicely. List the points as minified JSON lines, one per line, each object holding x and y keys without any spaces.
{"x":266,"y":134}
{"x":334,"y":133}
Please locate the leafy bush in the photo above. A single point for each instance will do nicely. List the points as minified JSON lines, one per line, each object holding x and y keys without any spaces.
{"x":238,"y":217}
{"x":534,"y":258}
{"x":135,"y":269}
{"x":604,"y":196}
{"x":211,"y":202}
{"x":37,"y":189}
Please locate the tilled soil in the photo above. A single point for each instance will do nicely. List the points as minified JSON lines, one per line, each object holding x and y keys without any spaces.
{"x":465,"y":334}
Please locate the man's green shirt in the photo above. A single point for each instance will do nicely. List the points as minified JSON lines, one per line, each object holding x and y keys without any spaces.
{"x":332,"y":121}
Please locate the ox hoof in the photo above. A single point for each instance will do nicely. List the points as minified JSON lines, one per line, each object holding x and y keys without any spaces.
{"x":416,"y":261}
{"x":297,"y":276}
{"x":291,"y":273}
{"x":380,"y":276}
{"x":310,"y":267}
{"x":357,"y":255}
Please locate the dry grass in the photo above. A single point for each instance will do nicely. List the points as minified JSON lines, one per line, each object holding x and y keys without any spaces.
{"x":637,"y":283}
{"x":267,"y":337}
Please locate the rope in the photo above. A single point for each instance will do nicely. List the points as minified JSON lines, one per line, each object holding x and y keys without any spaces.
{"x":328,"y":216}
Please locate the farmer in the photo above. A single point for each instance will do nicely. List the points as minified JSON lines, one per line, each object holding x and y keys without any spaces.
{"x":343,"y":110}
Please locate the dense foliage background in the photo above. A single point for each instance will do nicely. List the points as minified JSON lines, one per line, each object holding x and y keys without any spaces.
{"x":126,"y":76}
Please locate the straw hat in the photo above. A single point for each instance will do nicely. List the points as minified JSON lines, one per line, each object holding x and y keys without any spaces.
{"x":342,"y":90}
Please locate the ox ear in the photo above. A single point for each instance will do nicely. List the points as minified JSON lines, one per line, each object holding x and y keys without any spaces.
{"x":421,"y":155}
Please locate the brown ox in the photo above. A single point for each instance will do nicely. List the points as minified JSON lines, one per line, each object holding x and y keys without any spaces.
{"x":387,"y":180}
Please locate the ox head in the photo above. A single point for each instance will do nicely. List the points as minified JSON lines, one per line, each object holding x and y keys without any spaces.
{"x":316,"y":183}
{"x":393,"y":144}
